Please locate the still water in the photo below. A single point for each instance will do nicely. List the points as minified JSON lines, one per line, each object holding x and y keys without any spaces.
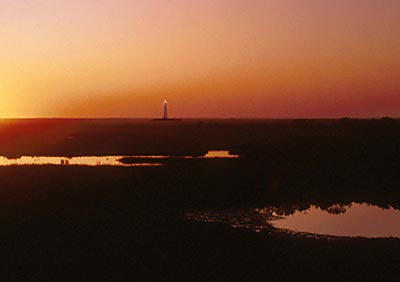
{"x":220,"y":154}
{"x":86,"y":161}
{"x":108,"y":160}
{"x":355,"y":220}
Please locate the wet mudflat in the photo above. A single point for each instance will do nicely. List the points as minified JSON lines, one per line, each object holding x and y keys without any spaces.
{"x":105,"y":223}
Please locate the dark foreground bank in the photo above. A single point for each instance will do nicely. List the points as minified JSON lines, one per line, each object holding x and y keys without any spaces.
{"x":114,"y":224}
{"x":72,"y":223}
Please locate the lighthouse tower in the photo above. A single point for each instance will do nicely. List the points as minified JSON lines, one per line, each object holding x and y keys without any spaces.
{"x":165,"y":109}
{"x":165,"y":116}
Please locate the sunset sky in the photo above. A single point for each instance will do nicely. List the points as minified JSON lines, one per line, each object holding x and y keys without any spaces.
{"x":209,"y":58}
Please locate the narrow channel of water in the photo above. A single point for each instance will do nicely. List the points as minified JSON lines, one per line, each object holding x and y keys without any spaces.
{"x":84,"y":161}
{"x":140,"y":160}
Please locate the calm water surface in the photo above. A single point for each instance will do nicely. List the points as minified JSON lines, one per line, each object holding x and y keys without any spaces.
{"x":107,"y":160}
{"x":85,"y":160}
{"x":355,"y":220}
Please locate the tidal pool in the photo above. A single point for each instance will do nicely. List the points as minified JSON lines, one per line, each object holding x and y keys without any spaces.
{"x":355,"y":220}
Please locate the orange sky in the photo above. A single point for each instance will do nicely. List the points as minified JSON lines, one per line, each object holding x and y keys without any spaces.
{"x":209,"y":58}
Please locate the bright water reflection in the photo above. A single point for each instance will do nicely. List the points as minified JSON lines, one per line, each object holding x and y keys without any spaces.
{"x":140,"y":160}
{"x":220,"y":154}
{"x":85,"y":161}
{"x":355,"y":220}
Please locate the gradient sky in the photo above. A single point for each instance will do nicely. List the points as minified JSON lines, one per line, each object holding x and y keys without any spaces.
{"x":209,"y":58}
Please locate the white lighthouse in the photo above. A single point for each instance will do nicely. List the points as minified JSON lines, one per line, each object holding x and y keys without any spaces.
{"x":165,"y":116}
{"x":165,"y":104}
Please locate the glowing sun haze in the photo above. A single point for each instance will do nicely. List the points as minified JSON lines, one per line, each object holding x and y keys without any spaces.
{"x":210,"y":58}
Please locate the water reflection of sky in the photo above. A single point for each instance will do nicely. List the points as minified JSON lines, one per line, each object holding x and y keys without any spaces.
{"x":107,"y":160}
{"x":220,"y":154}
{"x":355,"y":220}
{"x":86,"y":161}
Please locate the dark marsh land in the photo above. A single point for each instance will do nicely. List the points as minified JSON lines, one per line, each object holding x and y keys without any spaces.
{"x":77,"y":223}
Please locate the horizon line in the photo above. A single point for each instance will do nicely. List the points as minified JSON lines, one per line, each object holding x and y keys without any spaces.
{"x":205,"y":118}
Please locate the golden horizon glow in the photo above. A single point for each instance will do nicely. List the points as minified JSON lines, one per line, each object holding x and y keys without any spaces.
{"x":261,"y":59}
